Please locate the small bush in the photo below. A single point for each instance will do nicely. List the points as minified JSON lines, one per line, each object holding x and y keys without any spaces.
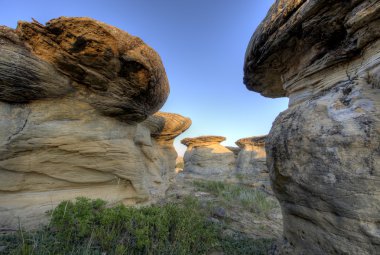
{"x":244,"y":246}
{"x":89,"y":227}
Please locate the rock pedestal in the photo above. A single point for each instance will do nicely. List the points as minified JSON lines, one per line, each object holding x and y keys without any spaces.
{"x":251,"y":162}
{"x":164,"y":128}
{"x":73,"y":95}
{"x":323,"y":152}
{"x":206,"y":157}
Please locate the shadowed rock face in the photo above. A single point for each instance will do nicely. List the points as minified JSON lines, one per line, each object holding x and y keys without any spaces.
{"x":73,"y":94}
{"x":323,"y":152}
{"x":251,"y":161}
{"x":206,"y":157}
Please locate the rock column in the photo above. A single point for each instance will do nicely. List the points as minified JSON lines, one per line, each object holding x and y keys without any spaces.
{"x":251,"y":162}
{"x":323,"y":152}
{"x":72,"y":95}
{"x":206,"y":157}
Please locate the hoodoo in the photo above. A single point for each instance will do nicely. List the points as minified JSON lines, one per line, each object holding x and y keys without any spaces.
{"x":251,"y":161}
{"x":323,"y":152}
{"x":74,"y":95}
{"x":206,"y":157}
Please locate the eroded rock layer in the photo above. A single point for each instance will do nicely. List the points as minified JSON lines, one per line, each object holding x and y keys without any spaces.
{"x":206,"y":157}
{"x":164,"y":128}
{"x":251,"y":162}
{"x":324,"y":151}
{"x":73,"y":94}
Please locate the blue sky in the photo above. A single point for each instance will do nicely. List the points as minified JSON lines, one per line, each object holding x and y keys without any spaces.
{"x":202,"y":45}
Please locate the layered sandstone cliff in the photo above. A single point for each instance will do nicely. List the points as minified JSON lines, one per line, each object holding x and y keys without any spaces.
{"x":206,"y":157}
{"x":73,"y":95}
{"x":324,"y":150}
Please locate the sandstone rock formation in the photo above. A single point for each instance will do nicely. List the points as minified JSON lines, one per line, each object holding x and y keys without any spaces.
{"x":235,"y":150}
{"x":164,"y":128}
{"x":251,"y":162}
{"x":324,"y":150}
{"x":206,"y":157}
{"x":73,"y":95}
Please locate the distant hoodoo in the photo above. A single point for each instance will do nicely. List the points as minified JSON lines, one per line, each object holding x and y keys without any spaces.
{"x":206,"y":157}
{"x":251,"y":161}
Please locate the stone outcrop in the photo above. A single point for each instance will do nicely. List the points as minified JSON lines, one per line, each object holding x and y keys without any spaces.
{"x":206,"y":157}
{"x":76,"y":104}
{"x":323,"y":152}
{"x":234,"y":149}
{"x":251,"y":162}
{"x":164,"y":128}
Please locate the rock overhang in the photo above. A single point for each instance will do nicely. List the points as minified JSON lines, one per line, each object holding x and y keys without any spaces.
{"x":118,"y":74}
{"x":253,"y":140}
{"x":300,"y":38}
{"x":203,"y":140}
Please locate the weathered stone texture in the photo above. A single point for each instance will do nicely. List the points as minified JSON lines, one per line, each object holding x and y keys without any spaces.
{"x":73,"y":95}
{"x":251,"y":162}
{"x":324,"y":150}
{"x":206,"y":157}
{"x":118,"y":74}
{"x":164,"y":128}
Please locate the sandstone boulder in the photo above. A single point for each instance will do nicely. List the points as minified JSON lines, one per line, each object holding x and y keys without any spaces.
{"x":72,"y":96}
{"x":251,"y":162}
{"x":206,"y":157}
{"x":323,"y":152}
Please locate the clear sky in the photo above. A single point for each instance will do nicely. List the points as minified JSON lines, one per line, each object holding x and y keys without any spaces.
{"x":202,"y":45}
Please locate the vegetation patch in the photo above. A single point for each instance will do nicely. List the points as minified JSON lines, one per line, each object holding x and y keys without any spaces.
{"x":91,"y":227}
{"x":254,"y":200}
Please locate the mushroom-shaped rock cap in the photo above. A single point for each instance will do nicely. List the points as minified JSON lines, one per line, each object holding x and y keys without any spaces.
{"x":117,"y":73}
{"x":167,"y":126}
{"x":253,"y":140}
{"x":298,"y":38}
{"x":235,"y":150}
{"x":202,"y":140}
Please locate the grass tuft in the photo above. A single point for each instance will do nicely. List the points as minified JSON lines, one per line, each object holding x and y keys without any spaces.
{"x":254,"y":200}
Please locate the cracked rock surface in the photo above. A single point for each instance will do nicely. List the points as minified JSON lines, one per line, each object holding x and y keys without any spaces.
{"x":77,"y":104}
{"x":323,"y":152}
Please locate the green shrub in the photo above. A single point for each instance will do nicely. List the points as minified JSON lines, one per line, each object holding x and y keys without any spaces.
{"x":89,"y":227}
{"x":245,"y":246}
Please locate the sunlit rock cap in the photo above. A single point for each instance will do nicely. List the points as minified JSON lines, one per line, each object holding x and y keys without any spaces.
{"x":253,"y":140}
{"x":167,"y":126}
{"x":118,"y":74}
{"x":202,"y":140}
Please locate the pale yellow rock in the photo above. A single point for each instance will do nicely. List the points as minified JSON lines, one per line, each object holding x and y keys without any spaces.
{"x":251,"y":166}
{"x":72,"y":123}
{"x":207,"y":158}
